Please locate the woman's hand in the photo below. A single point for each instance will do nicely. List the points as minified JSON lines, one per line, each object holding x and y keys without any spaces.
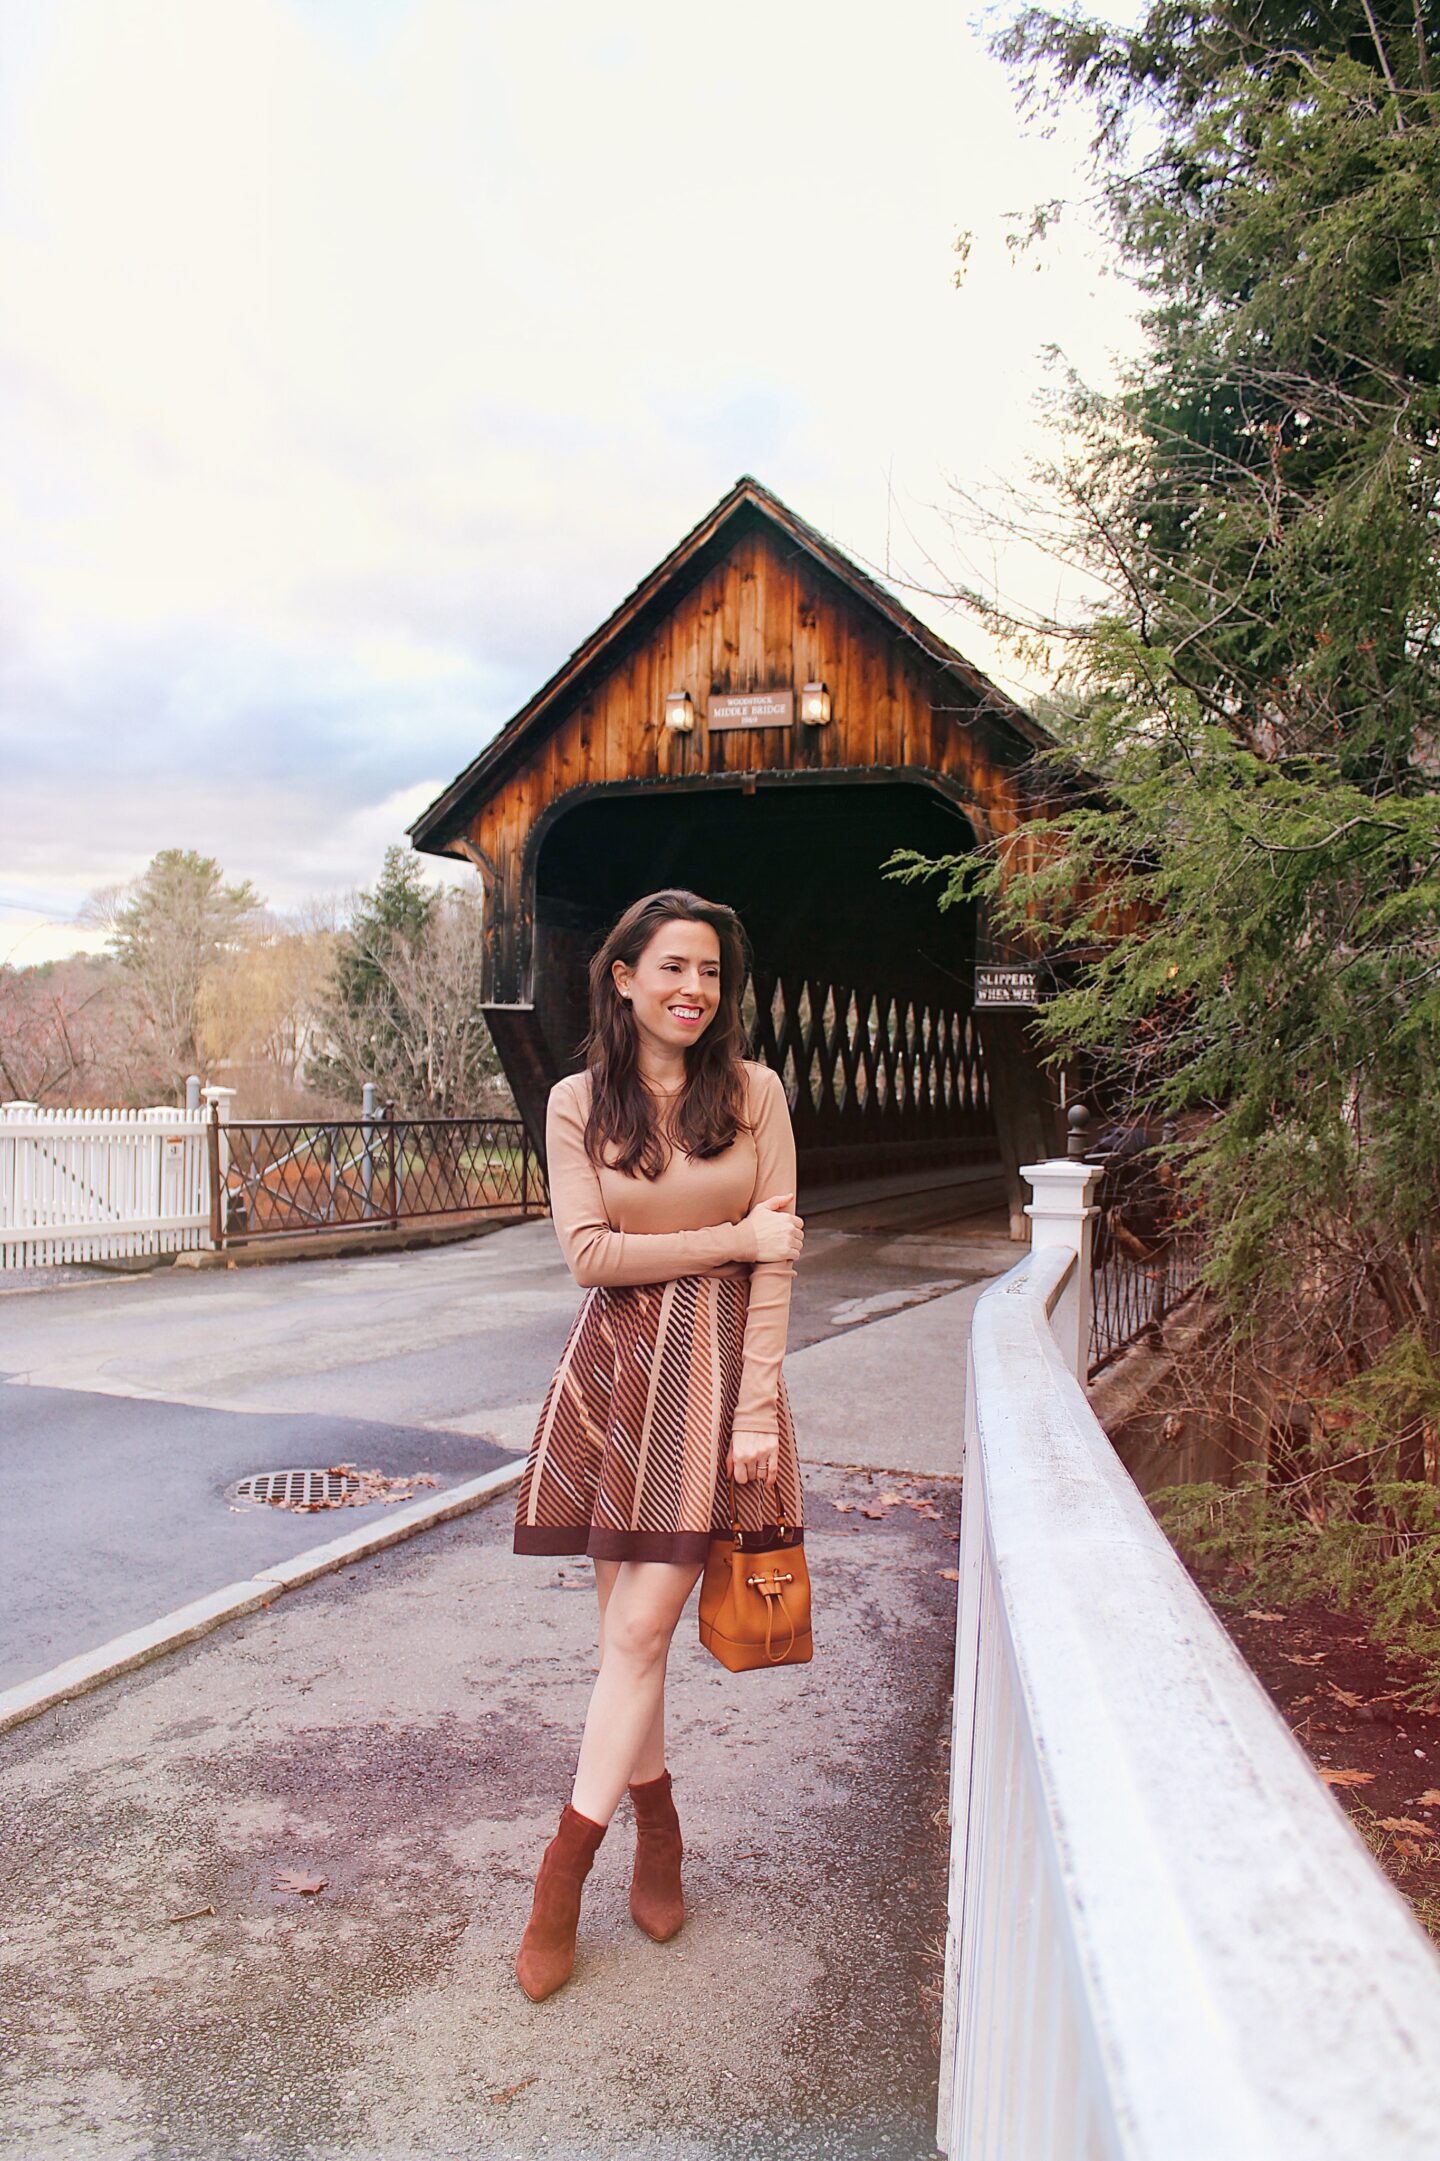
{"x":754,"y":1458}
{"x":776,"y":1233}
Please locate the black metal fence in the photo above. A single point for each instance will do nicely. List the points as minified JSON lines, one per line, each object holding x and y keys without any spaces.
{"x":1149,"y":1247}
{"x":273,"y":1177}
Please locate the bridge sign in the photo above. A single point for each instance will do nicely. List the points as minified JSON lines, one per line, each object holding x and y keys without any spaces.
{"x":752,"y":709}
{"x":1006,"y":990}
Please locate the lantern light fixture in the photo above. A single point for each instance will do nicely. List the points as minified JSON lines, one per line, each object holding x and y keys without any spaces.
{"x":679,"y":711}
{"x":814,"y":704}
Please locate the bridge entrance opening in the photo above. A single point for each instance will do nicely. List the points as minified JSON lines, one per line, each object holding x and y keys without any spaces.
{"x":860,"y":991}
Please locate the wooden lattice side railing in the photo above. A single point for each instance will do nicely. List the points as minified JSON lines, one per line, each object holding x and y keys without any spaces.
{"x":861,"y":1064}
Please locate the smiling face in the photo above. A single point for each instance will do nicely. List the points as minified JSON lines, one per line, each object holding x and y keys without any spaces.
{"x":674,"y":987}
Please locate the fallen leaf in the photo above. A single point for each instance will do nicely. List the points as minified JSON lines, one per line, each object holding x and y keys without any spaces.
{"x":949,"y":1575}
{"x":875,"y":1512}
{"x":1348,"y":1778}
{"x":1303,"y":1658}
{"x":1345,"y":1695}
{"x":508,"y":2093}
{"x":845,"y":1508}
{"x":1256,"y":1615}
{"x":1430,"y":1798}
{"x":294,"y":1879}
{"x":892,"y":1499}
{"x":1406,"y":1823}
{"x":369,"y":1486}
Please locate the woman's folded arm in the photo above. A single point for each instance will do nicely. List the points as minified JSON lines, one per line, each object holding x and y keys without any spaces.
{"x":596,"y":1253}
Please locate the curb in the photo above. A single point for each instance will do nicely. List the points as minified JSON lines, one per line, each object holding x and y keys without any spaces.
{"x":123,"y":1654}
{"x":271,"y":1251}
{"x":344,"y":1245}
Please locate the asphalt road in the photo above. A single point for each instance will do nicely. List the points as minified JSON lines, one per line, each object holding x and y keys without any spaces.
{"x":129,"y":1403}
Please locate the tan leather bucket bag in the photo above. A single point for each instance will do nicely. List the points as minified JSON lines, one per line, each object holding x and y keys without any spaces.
{"x":755,"y":1607}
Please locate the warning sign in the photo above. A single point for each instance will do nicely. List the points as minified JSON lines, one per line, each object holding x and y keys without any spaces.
{"x":1007,"y":990}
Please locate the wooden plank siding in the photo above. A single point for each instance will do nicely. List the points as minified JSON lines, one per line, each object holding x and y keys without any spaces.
{"x":757,"y":620}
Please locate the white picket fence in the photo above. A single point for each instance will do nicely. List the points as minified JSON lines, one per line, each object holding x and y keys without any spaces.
{"x":1166,"y":1941}
{"x":79,"y":1185}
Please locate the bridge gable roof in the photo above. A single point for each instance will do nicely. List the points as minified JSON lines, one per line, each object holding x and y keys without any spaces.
{"x":747,"y":505}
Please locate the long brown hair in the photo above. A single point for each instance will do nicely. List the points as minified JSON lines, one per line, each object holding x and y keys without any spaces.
{"x":710,"y":1108}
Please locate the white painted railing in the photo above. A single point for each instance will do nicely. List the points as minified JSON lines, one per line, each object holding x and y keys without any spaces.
{"x":78,"y":1185}
{"x":1166,"y":1943}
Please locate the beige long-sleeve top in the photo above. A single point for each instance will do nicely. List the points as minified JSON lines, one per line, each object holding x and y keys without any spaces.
{"x":616,"y":1228}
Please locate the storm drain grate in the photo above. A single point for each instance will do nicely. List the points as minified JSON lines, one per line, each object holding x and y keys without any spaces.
{"x":295,"y":1489}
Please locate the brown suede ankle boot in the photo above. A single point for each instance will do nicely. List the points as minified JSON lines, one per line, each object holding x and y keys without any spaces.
{"x":547,"y":1949}
{"x":655,"y":1901}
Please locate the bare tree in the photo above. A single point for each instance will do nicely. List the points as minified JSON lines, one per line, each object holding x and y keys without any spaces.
{"x":409,"y":1018}
{"x":62,"y":1032}
{"x":260,"y":1001}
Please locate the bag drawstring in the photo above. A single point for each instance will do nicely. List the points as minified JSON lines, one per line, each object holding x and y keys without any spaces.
{"x":776,"y":1657}
{"x":773,"y":1596}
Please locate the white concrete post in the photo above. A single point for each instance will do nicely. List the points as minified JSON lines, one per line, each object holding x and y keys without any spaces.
{"x":224,"y":1097}
{"x":369,"y":1112}
{"x":192,"y":1094}
{"x":1062,"y":1214}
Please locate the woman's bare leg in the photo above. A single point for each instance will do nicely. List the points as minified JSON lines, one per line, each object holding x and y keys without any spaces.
{"x":641,"y":1607}
{"x":651,"y":1760}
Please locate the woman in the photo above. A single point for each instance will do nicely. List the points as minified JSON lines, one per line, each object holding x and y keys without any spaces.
{"x":672,"y":1187}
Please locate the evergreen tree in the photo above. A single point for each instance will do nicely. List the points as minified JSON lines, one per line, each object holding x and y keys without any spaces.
{"x":167,"y":930}
{"x":362,"y":1020}
{"x":1259,"y":694}
{"x":403,"y":1008}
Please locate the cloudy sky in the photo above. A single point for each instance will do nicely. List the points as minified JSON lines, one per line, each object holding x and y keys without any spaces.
{"x":356,"y":357}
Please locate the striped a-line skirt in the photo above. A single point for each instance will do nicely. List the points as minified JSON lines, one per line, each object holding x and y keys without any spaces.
{"x":628,"y":1459}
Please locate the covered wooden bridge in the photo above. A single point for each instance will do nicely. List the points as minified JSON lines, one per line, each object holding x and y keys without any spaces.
{"x":763,"y":722}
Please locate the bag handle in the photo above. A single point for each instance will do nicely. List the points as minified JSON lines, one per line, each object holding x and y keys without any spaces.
{"x":781,"y":1518}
